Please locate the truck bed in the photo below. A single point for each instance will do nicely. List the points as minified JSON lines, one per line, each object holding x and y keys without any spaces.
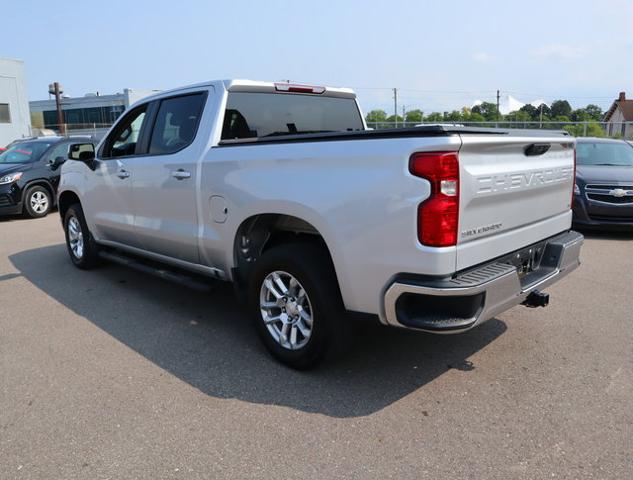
{"x":424,"y":131}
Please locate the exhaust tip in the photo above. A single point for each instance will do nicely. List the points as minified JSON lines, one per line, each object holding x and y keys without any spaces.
{"x":536,"y":299}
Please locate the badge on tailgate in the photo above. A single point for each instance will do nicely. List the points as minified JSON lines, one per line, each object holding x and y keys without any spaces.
{"x":471,"y":232}
{"x":519,"y":180}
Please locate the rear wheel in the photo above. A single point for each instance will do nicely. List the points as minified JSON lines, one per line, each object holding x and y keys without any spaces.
{"x":82,"y":249}
{"x":37,"y":202}
{"x":296,"y":304}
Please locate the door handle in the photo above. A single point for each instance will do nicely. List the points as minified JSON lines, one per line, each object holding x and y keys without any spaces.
{"x":180,"y":174}
{"x":122,"y":174}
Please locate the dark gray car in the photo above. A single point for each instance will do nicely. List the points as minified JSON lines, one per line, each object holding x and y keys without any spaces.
{"x":603,"y":194}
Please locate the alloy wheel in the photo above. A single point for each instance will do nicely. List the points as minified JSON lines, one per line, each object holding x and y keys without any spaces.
{"x":75,"y":237}
{"x":286,"y":310}
{"x":39,"y":202}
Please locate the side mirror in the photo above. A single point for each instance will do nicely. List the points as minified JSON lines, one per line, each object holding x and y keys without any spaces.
{"x":57,"y":162}
{"x":83,"y":152}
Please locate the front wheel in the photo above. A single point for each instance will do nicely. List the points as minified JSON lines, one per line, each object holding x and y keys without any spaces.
{"x":82,"y":249}
{"x":296,"y":304}
{"x":37,"y":202}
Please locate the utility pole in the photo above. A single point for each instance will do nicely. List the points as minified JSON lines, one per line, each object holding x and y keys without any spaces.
{"x":395,"y":105}
{"x":56,"y":89}
{"x":403,"y":112}
{"x":540,"y":125}
{"x":497,"y":106}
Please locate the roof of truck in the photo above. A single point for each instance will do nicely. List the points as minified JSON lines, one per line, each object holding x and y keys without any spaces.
{"x":243,"y":85}
{"x":286,"y":87}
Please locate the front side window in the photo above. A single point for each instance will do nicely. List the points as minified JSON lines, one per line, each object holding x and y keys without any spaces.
{"x":58,"y":151}
{"x":251,"y":115}
{"x":123,"y":139}
{"x":24,"y":152}
{"x":176,"y":123}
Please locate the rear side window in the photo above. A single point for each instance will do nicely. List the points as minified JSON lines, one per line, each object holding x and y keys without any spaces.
{"x":250,"y":115}
{"x":176,"y":123}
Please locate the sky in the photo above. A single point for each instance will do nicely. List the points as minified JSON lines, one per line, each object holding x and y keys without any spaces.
{"x":441,"y":55}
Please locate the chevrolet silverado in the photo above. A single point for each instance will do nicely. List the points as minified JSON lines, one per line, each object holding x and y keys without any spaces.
{"x":282,"y":189}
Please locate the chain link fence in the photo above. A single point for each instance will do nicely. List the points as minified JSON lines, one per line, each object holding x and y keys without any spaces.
{"x":622,"y":130}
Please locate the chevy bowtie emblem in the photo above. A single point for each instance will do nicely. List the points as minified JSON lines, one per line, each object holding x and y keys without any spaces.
{"x":618,"y":192}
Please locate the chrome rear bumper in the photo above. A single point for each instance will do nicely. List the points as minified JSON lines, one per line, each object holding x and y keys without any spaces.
{"x":458,"y":303}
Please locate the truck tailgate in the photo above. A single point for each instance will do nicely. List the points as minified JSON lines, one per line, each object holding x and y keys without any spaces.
{"x":514,"y":191}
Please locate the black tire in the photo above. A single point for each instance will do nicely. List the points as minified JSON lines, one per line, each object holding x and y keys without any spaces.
{"x":89,"y":256}
{"x":38,"y":201}
{"x":311,"y":266}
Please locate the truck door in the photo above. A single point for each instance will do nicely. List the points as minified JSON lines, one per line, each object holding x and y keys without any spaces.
{"x":165,"y":178}
{"x":108,"y":198}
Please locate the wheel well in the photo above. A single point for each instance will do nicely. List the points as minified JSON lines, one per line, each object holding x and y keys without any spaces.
{"x":66,"y":199}
{"x":260,"y":233}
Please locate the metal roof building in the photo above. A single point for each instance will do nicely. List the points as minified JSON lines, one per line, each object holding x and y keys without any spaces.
{"x":88,"y":112}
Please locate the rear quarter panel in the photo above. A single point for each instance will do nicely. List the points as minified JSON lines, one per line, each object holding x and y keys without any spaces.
{"x":358,"y":194}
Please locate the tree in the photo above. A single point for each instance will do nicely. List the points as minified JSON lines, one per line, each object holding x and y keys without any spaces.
{"x":454,"y":116}
{"x":394,"y":119}
{"x":543,"y":111}
{"x":519,"y":116}
{"x":580,"y":115}
{"x":376,"y":116}
{"x":434,"y":117}
{"x":474,"y":117}
{"x":531,"y":110}
{"x":594,"y":111}
{"x":591,"y":129}
{"x":560,"y":108}
{"x":414,"y":116}
{"x":487,"y":109}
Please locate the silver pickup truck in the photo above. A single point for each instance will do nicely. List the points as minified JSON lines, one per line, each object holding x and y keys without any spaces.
{"x":282,"y":189}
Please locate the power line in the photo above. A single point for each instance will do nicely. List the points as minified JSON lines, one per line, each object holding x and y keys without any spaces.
{"x":491,"y":92}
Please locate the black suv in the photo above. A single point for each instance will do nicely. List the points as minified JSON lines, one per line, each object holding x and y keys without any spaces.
{"x":29,"y":174}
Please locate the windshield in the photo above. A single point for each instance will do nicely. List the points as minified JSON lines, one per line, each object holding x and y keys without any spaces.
{"x":24,"y":152}
{"x":251,"y":115}
{"x":603,"y":153}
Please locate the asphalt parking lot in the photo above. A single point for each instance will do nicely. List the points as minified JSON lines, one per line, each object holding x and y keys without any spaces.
{"x":115,"y":374}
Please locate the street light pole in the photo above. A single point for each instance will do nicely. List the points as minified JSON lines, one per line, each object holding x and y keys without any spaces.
{"x":395,"y":106}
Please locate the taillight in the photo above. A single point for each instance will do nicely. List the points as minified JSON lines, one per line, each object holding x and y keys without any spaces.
{"x":438,"y":216}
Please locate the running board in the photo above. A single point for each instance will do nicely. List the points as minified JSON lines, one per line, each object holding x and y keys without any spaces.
{"x":158,"y":271}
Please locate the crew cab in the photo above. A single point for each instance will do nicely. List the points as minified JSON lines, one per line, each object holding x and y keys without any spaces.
{"x":281,"y":189}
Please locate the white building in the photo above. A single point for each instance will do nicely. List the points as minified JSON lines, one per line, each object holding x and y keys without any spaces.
{"x":14,"y":108}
